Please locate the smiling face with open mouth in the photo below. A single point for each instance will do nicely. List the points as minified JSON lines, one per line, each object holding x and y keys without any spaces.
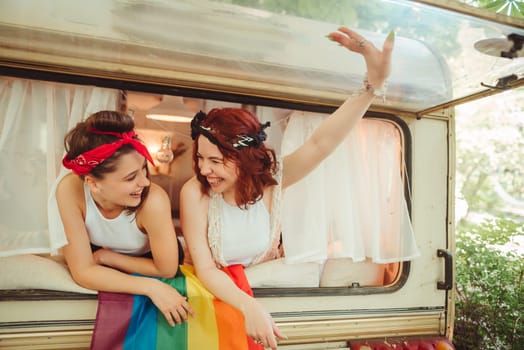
{"x":220,"y":173}
{"x":123,"y":187}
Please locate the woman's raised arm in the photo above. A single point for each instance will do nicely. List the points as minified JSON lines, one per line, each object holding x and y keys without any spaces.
{"x":335,"y":128}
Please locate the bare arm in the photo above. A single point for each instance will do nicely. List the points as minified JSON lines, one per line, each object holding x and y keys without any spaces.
{"x":193,"y":215}
{"x":335,"y":128}
{"x":87,"y":273}
{"x":155,"y":219}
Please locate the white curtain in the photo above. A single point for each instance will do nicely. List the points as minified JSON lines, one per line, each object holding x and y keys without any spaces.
{"x":352,"y":205}
{"x":34,"y":118}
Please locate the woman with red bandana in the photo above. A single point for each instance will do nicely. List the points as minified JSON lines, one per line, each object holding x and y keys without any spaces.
{"x":117,"y":223}
{"x":229,"y":210}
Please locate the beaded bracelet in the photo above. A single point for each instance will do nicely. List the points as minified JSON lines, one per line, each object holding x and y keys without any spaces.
{"x":367,"y":87}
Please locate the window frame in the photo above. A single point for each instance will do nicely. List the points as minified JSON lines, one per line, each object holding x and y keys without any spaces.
{"x":242,"y":99}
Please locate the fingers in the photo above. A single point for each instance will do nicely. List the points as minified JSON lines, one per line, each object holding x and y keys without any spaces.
{"x":350,"y":39}
{"x":353,"y":36}
{"x":179,"y":314}
{"x":189,"y":310}
{"x":388,"y":45}
{"x":277,"y":332}
{"x":175,"y":317}
{"x":186,"y":309}
{"x":169,"y":318}
{"x":378,"y":62}
{"x":271,"y":343}
{"x":356,"y":42}
{"x":266,"y":342}
{"x":271,"y":340}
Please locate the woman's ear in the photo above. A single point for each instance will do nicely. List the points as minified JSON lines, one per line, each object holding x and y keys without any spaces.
{"x":91,"y":183}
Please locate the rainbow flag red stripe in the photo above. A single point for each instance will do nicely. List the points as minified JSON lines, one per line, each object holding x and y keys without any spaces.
{"x":129,"y":322}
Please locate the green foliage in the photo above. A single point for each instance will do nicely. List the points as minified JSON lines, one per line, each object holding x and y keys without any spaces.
{"x":490,"y":174}
{"x":513,"y":8}
{"x":490,"y":289}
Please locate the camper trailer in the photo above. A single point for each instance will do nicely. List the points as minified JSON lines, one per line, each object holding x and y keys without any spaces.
{"x":162,"y":61}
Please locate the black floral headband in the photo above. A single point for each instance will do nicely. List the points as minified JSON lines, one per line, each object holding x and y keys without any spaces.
{"x":240,"y":141}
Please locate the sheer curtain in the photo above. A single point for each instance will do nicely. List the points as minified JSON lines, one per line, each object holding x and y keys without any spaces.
{"x":352,"y":205}
{"x":34,"y":117}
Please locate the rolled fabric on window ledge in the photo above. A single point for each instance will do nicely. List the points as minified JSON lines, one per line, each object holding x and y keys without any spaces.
{"x":352,"y":205}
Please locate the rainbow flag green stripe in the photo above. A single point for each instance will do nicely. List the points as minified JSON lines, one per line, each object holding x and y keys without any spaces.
{"x":129,"y":322}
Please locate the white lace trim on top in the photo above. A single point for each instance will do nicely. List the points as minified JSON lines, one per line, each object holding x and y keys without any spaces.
{"x":214,"y":234}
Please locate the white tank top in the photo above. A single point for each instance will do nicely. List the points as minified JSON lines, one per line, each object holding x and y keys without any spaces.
{"x":245,"y":232}
{"x":251,"y":235}
{"x":120,"y":234}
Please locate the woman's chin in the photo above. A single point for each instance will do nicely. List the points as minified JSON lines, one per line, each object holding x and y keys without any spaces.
{"x":133,"y":202}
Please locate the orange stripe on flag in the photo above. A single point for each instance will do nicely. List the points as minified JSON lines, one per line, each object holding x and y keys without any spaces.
{"x":231,"y":329}
{"x":238,"y":275}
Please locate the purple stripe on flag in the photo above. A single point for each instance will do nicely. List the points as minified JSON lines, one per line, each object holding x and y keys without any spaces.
{"x":113,"y":316}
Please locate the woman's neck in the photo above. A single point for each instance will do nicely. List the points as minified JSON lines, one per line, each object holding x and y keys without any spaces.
{"x":107,"y":209}
{"x":229,"y":198}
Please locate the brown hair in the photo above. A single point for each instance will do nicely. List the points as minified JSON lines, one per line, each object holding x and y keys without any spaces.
{"x":80,"y":140}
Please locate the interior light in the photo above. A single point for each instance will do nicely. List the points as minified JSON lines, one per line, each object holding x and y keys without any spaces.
{"x":169,"y":118}
{"x":165,"y":153}
{"x":171,"y":109}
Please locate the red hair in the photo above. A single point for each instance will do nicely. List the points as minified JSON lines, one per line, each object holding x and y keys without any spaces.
{"x":256,"y":164}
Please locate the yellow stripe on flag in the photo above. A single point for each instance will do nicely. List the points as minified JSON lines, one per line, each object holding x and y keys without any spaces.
{"x":202,"y":329}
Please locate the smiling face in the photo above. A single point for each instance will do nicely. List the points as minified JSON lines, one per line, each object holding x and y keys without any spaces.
{"x":123,"y":187}
{"x":221,"y":174}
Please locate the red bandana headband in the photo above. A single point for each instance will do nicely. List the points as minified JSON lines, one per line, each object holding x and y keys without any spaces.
{"x":85,"y":162}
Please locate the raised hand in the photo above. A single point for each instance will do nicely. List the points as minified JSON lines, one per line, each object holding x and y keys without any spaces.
{"x":378,"y":62}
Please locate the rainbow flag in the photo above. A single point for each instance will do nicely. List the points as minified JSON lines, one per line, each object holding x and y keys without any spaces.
{"x":129,"y":322}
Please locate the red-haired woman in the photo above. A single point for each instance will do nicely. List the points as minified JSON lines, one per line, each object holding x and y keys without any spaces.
{"x":228,"y":210}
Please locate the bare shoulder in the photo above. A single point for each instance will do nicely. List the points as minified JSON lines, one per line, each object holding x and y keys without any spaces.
{"x":157,"y":199}
{"x":191,"y":191}
{"x":70,"y":196}
{"x":192,"y":200}
{"x":71,"y":187}
{"x":155,"y":212}
{"x":194,"y":207}
{"x":157,"y":193}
